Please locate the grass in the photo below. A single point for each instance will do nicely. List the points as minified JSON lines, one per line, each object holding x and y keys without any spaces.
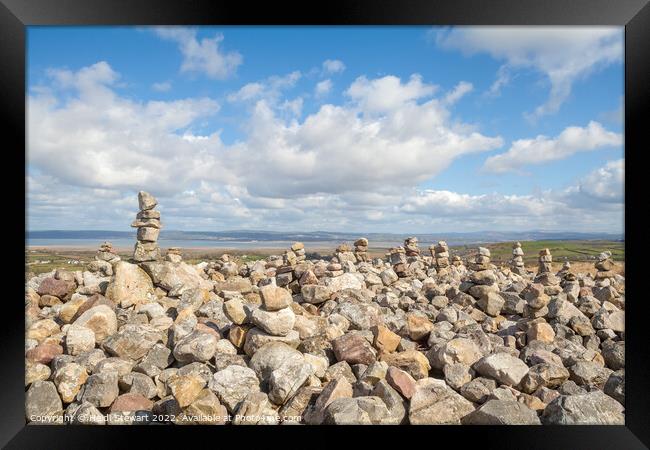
{"x":561,"y":250}
{"x":44,"y":260}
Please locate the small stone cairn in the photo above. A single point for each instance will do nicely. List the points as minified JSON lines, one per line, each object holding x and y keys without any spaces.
{"x":107,"y":253}
{"x":482,"y":260}
{"x":604,"y":268}
{"x":361,"y":249}
{"x":441,"y":254}
{"x":411,"y":246}
{"x":517,"y":262}
{"x":397,"y":259}
{"x":174,"y":255}
{"x":298,"y":249}
{"x":148,"y":224}
{"x":545,"y":276}
{"x":104,"y":260}
{"x":343,"y":254}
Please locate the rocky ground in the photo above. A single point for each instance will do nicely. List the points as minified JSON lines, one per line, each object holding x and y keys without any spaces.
{"x":404,"y":339}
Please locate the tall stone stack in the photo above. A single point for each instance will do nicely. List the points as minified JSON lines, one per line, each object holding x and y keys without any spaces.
{"x":545,"y":276}
{"x":361,"y":249}
{"x":397,"y":259}
{"x":298,"y":248}
{"x":517,"y":262}
{"x":147,"y":222}
{"x":544,"y":262}
{"x":441,"y":254}
{"x":411,"y":246}
{"x":604,"y":268}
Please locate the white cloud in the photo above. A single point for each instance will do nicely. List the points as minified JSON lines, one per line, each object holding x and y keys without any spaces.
{"x":342,"y":167}
{"x":333,"y":66}
{"x":163,"y":86}
{"x":269,"y":89}
{"x":562,"y":54}
{"x":388,"y":93}
{"x":460,"y":90}
{"x":323,"y":87}
{"x":202,"y":56}
{"x":543,"y":149}
{"x":605,"y":184}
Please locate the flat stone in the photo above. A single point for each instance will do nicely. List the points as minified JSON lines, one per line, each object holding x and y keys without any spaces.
{"x":503,"y":367}
{"x":502,"y":412}
{"x":353,"y":348}
{"x":435,"y":403}
{"x":594,"y":408}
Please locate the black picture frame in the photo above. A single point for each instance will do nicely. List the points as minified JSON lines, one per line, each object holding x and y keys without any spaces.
{"x":634,"y":15}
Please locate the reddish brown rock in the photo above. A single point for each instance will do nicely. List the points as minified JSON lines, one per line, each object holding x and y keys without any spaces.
{"x":131,"y":402}
{"x":57,"y":288}
{"x":401,"y":381}
{"x":44,"y":353}
{"x":354,"y":349}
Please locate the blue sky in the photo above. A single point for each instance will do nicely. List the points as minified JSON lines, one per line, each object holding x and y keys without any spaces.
{"x":403,"y":129}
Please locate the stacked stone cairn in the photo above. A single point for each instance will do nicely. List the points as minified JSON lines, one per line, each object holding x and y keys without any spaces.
{"x":174,"y":255}
{"x":147,"y":222}
{"x":361,"y":249}
{"x":441,"y":255}
{"x":517,"y":262}
{"x":397,"y":259}
{"x":298,"y":249}
{"x":545,"y":275}
{"x":104,"y":260}
{"x":411,"y":246}
{"x":457,"y":261}
{"x":604,"y":268}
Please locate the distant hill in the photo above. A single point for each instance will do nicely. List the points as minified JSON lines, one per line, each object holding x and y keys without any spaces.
{"x":453,"y":238}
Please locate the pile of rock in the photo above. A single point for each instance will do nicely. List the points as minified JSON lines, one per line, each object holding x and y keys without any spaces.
{"x":174,"y":255}
{"x":545,"y":261}
{"x":107,"y":253}
{"x":411,"y":246}
{"x":517,"y":262}
{"x":233,"y":342}
{"x":343,"y":254}
{"x":147,"y":222}
{"x":361,"y":249}
{"x":605,"y":267}
{"x":545,"y":275}
{"x":481,"y":260}
{"x":441,"y":255}
{"x":397,"y":259}
{"x":298,"y":249}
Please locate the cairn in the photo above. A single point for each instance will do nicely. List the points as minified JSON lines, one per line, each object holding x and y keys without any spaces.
{"x":174,"y":255}
{"x":441,"y":254}
{"x":298,"y":249}
{"x":544,"y":274}
{"x":517,"y":262}
{"x":104,"y":260}
{"x":604,"y":266}
{"x":411,"y":246}
{"x":482,"y":260}
{"x":361,"y":249}
{"x":148,"y":224}
{"x":343,"y":254}
{"x":545,"y":260}
{"x":107,"y":253}
{"x":397,"y":259}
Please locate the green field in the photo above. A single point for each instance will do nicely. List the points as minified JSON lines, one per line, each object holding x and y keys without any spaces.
{"x":41,"y":261}
{"x":561,"y":250}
